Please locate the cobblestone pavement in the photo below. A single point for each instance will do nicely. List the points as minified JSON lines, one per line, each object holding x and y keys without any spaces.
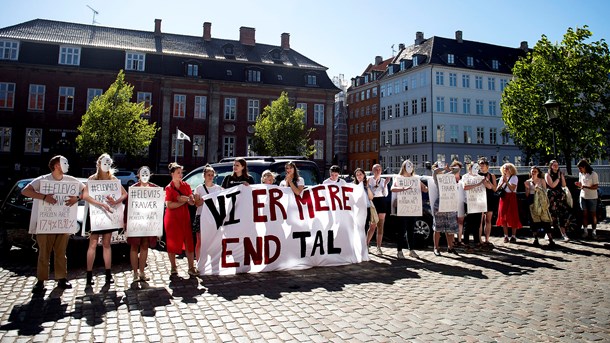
{"x":515,"y":293}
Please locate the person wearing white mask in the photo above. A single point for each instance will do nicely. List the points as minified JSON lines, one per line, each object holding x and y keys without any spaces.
{"x":48,"y":242}
{"x":104,"y":171}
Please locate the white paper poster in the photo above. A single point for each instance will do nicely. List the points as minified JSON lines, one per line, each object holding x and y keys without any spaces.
{"x":100,"y":190}
{"x":145,"y":206}
{"x":448,"y":193}
{"x":476,"y":198}
{"x":57,"y":218}
{"x":408,"y":203}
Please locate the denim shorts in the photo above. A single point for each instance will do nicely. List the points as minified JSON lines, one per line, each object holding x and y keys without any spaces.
{"x":588,"y":204}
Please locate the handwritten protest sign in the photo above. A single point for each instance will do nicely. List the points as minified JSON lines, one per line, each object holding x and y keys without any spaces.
{"x":100,"y":190}
{"x":476,"y":198}
{"x":145,"y":211}
{"x":448,"y":193}
{"x":408,"y":203}
{"x":57,"y":218}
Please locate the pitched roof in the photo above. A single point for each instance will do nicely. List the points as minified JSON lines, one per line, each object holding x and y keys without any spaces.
{"x":49,"y":31}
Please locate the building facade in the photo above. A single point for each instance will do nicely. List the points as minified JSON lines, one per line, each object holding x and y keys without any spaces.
{"x":212,"y":89}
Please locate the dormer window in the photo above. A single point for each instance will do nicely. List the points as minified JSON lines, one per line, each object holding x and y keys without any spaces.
{"x":276,"y":54}
{"x":403,"y":65}
{"x":69,"y":55}
{"x":311,"y":80}
{"x":366,"y":78}
{"x":253,"y":75}
{"x":227,"y":49}
{"x":470,"y":61}
{"x":415,"y":61}
{"x":495,"y":65}
{"x":9,"y":50}
{"x":390,"y":69}
{"x":192,"y":69}
{"x":451,"y":58}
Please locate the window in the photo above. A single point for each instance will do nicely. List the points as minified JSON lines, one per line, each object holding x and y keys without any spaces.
{"x":319,"y":146}
{"x":192,"y":70}
{"x":397,"y":110}
{"x":405,"y":84}
{"x":493,"y":135}
{"x":254,"y":76}
{"x":228,"y":146}
{"x":492,"y":108}
{"x":36,"y":98}
{"x":424,"y":105}
{"x":383,"y":138}
{"x":368,"y":93}
{"x":479,"y":107}
{"x":253,"y":109}
{"x":470,"y":61}
{"x":405,"y":135}
{"x":368,"y":127}
{"x":9,"y":50}
{"x":180,"y":143}
{"x":453,"y":104}
{"x":440,"y":104}
{"x":201,"y":105}
{"x":396,"y":136}
{"x":440,"y":78}
{"x":390,"y":138}
{"x":503,"y":83}
{"x":495,"y":65}
{"x":505,"y":138}
{"x":318,"y":114}
{"x":5,"y":139}
{"x":374,"y":125}
{"x":478,"y":82}
{"x":405,"y":108}
{"x":375,"y":92}
{"x":311,"y":80}
{"x":452,"y":79}
{"x":414,"y":134}
{"x":382,"y":112}
{"x":465,"y":81}
{"x":450,"y":58}
{"x":69,"y":55}
{"x":66,"y":99}
{"x":146,"y":99}
{"x":7,"y":95}
{"x":134,"y":61}
{"x":382,"y":90}
{"x":179,"y":105}
{"x":368,"y":110}
{"x":480,"y":135}
{"x":33,"y":140}
{"x":373,"y":145}
{"x":491,"y":83}
{"x":396,"y":87}
{"x":390,"y":112}
{"x":230,"y":108}
{"x":374,"y":109}
{"x":415,"y":61}
{"x":424,"y":134}
{"x":453,"y":133}
{"x":440,"y":133}
{"x":466,"y":106}
{"x":303,"y":106}
{"x":92,"y":93}
{"x":198,"y":149}
{"x":389,"y":89}
{"x":414,"y":106}
{"x":467,"y":134}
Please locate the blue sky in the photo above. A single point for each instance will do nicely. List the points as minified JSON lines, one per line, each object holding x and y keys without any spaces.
{"x":343,"y":35}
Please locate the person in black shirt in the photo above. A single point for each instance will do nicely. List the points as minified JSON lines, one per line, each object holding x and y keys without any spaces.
{"x":240,"y":175}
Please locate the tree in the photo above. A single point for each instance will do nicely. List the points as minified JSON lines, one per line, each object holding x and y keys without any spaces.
{"x":113,"y":123}
{"x":280,"y":130}
{"x":575,"y":73}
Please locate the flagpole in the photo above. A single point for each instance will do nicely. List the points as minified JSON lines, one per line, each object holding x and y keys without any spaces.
{"x":176,"y":155}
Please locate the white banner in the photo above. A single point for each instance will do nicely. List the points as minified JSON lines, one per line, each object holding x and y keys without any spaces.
{"x":476,"y":198}
{"x":100,"y":190}
{"x":448,"y":193}
{"x":259,"y":228}
{"x":145,"y":206}
{"x":58,"y":218}
{"x":407,"y":203}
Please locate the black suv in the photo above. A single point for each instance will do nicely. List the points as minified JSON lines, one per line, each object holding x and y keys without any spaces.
{"x":308,"y":170}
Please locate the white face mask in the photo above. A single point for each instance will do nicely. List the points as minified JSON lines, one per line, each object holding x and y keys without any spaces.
{"x":63,"y":162}
{"x":105,"y":164}
{"x":144,"y":175}
{"x":409,"y":167}
{"x":475,"y":169}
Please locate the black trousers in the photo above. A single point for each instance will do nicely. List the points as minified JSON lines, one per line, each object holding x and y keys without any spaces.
{"x":406,"y":231}
{"x":471,"y":225}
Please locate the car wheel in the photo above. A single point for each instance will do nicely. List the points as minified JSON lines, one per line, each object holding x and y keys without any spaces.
{"x":423,"y":231}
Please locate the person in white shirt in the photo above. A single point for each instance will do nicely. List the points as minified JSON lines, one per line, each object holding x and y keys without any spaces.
{"x":588,"y":182}
{"x":207,"y":187}
{"x":379,"y":188}
{"x":334,"y":177}
{"x":292,"y":178}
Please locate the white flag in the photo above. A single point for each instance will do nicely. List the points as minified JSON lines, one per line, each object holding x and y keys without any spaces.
{"x":182,"y":135}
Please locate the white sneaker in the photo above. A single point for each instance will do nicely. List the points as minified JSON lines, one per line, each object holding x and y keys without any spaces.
{"x":413,"y":254}
{"x":594,"y":234}
{"x":400,"y":255}
{"x":566,"y":239}
{"x":143,"y":277}
{"x":379,"y":252}
{"x":136,"y":277}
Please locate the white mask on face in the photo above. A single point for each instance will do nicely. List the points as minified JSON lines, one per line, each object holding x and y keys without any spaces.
{"x":145,"y":175}
{"x":63,"y":162}
{"x":409,"y":167}
{"x":475,"y":169}
{"x":105,"y":164}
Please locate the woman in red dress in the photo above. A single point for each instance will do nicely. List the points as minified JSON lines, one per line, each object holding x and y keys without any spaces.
{"x":178,"y":231}
{"x":508,"y":211}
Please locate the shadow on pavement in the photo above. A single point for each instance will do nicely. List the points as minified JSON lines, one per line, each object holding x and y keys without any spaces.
{"x":144,"y":298}
{"x":28,"y":318}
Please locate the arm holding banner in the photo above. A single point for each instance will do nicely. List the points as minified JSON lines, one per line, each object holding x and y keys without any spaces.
{"x":92,"y":201}
{"x":30,"y":192}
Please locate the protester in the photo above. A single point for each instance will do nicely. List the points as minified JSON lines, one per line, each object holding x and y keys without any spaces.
{"x":207,"y":187}
{"x":471,"y":182}
{"x":360,"y":179}
{"x":490,"y":184}
{"x":292,"y":179}
{"x":177,"y":220}
{"x":508,"y":211}
{"x":268,"y":177}
{"x":104,"y":171}
{"x":588,"y":182}
{"x":380,"y":191}
{"x":443,"y":221}
{"x":138,"y":253}
{"x":558,"y":206}
{"x":456,"y":167}
{"x":536,"y":195}
{"x":334,"y":177}
{"x":240,"y":175}
{"x":50,"y":242}
{"x":406,"y":224}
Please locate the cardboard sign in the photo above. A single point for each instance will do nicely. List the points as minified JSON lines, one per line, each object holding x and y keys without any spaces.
{"x":57,"y":218}
{"x":407,"y":203}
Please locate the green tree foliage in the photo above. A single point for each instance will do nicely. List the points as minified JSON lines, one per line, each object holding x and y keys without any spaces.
{"x":113,"y":123}
{"x":280,"y":130}
{"x":575,"y":72}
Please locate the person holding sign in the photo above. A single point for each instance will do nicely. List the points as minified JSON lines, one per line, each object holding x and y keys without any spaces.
{"x":52,"y":242}
{"x":474,"y":188}
{"x":109,"y":203}
{"x":267,"y":177}
{"x":407,"y":223}
{"x":292,"y":179}
{"x":360,"y":179}
{"x":240,"y":175}
{"x":178,"y":229}
{"x":508,"y":210}
{"x":208,"y":187}
{"x":443,"y":221}
{"x":138,"y":253}
{"x":380,"y":191}
{"x":492,"y":201}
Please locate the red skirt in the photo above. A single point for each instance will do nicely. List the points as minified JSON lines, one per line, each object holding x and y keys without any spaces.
{"x":508,"y":212}
{"x":178,"y":230}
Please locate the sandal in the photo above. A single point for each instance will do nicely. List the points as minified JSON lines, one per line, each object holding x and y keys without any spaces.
{"x":193,"y":271}
{"x":174,"y":271}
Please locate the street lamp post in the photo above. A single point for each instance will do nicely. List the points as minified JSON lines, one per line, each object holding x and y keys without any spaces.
{"x":552,"y":111}
{"x":387,"y":152}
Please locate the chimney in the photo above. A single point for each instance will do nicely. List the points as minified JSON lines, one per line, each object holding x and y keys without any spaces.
{"x":458,"y":36}
{"x":401,"y":46}
{"x":246,"y":36}
{"x":524,"y":46}
{"x":207,"y":31}
{"x":378,"y":60}
{"x":157,"y":27}
{"x":419,"y":37}
{"x":286,"y":41}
